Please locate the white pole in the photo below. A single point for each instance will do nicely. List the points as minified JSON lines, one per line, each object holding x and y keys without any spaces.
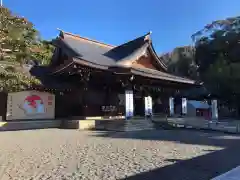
{"x":1,"y":2}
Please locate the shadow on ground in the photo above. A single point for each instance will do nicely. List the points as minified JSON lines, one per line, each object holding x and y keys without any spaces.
{"x":202,"y":167}
{"x":198,"y":137}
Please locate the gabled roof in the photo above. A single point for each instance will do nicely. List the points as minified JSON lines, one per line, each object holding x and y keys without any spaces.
{"x":103,"y":56}
{"x":107,"y":55}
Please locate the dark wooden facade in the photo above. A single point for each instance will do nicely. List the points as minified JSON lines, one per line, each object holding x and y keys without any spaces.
{"x":99,"y":74}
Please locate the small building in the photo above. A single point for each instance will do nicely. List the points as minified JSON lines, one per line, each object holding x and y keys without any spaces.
{"x":198,"y":109}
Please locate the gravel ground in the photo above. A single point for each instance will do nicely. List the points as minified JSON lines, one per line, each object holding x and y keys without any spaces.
{"x":72,"y":154}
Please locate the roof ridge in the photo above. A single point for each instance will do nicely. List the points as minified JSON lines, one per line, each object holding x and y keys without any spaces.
{"x":88,"y":39}
{"x":146,"y":37}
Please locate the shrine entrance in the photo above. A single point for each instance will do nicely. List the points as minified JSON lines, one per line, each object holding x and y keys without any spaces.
{"x":97,"y":81}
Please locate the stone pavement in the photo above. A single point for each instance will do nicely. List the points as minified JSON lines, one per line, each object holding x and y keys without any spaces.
{"x":72,"y":154}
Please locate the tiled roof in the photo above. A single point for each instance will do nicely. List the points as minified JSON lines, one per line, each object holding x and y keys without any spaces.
{"x":103,"y":54}
{"x":89,"y":50}
{"x":161,"y":75}
{"x":120,"y":52}
{"x":100,"y":55}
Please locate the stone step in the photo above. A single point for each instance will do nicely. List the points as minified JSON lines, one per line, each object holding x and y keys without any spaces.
{"x":138,"y":122}
{"x":143,"y":128}
{"x":138,"y":129}
{"x":138,"y":125}
{"x":143,"y":125}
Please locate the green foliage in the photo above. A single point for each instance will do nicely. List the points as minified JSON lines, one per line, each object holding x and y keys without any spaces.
{"x":43,"y":51}
{"x":221,"y":38}
{"x":217,"y":29}
{"x":19,"y":42}
{"x":17,"y":35}
{"x":218,"y":58}
{"x":13,"y":82}
{"x":181,"y":62}
{"x":10,"y":69}
{"x":214,"y":59}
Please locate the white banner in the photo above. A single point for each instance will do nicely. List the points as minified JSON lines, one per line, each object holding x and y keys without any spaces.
{"x":214,"y":110}
{"x":129,"y":103}
{"x":148,"y":105}
{"x":171,"y":105}
{"x":184,"y":106}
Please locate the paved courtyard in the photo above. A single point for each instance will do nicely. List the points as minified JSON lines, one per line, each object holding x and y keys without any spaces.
{"x":72,"y":154}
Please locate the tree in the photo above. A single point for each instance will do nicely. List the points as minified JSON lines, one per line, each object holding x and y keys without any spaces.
{"x":15,"y":81}
{"x":19,"y":42}
{"x":218,"y":58}
{"x":17,"y":35}
{"x":181,"y":62}
{"x":220,"y":38}
{"x":43,"y":52}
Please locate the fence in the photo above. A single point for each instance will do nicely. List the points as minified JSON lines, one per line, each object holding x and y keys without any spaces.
{"x":200,"y":123}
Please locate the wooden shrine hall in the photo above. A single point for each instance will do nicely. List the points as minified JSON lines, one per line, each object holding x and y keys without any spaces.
{"x":98,"y":76}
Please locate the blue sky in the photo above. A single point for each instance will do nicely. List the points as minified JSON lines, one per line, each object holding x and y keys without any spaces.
{"x":172,"y":22}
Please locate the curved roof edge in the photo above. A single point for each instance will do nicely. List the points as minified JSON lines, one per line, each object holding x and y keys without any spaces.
{"x":152,"y":50}
{"x":159,"y":60}
{"x":145,"y":38}
{"x":62,"y":32}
